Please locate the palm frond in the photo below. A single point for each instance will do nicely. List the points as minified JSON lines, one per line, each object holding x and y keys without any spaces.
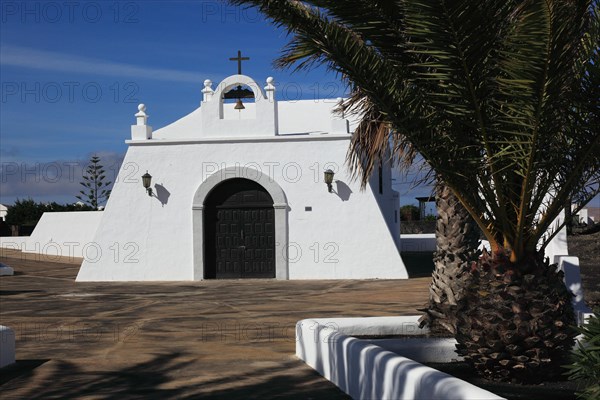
{"x":501,"y":98}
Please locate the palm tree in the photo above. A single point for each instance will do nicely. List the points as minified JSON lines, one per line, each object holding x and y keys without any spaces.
{"x":457,"y":235}
{"x":501,"y":98}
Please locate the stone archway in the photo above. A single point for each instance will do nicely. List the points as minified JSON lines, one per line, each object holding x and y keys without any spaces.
{"x":280,"y":208}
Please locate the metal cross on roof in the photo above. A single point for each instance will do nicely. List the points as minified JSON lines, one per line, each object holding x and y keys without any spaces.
{"x":239,"y":60}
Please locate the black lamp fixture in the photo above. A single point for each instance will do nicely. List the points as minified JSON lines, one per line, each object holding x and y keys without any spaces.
{"x":147,"y":181}
{"x":328,"y":177}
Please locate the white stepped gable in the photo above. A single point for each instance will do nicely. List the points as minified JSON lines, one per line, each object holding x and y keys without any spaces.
{"x":220,"y":119}
{"x":280,"y":220}
{"x":262,"y":117}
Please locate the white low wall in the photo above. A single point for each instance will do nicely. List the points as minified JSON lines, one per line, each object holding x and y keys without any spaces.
{"x":417,"y":242}
{"x":7,"y":346}
{"x":558,"y":246}
{"x":61,"y":234}
{"x":6,"y":270}
{"x":367,"y":371}
{"x":570,"y":266}
{"x":13,"y":242}
{"x":584,"y":217}
{"x":424,"y":242}
{"x":422,"y":350}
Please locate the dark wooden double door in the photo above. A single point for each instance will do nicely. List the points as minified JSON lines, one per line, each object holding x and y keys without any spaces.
{"x":240,"y":231}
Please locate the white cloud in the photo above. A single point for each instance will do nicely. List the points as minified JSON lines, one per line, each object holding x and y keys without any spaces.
{"x":24,"y":57}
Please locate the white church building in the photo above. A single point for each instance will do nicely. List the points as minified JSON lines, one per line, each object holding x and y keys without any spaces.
{"x":237,"y":189}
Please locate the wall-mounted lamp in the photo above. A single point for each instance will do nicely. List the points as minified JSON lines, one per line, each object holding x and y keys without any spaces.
{"x":328,"y":177}
{"x":147,"y":181}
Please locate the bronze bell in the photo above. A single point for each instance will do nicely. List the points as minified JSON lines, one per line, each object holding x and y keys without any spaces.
{"x":239,"y":105}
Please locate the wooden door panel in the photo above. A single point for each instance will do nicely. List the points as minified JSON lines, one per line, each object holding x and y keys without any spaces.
{"x":259,"y":261}
{"x":240,"y":231}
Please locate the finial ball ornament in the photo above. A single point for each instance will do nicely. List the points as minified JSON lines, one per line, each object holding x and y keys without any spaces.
{"x":142,"y":107}
{"x":270,"y":80}
{"x":207,"y":83}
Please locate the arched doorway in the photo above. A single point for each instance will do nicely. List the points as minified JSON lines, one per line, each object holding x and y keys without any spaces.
{"x":239,"y":229}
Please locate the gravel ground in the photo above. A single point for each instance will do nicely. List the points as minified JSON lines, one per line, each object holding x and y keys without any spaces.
{"x":587,"y":248}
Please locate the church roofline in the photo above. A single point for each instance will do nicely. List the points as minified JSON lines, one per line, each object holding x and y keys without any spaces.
{"x":281,"y":138}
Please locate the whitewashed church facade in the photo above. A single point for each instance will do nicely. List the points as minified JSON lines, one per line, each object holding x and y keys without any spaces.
{"x":240,"y":193}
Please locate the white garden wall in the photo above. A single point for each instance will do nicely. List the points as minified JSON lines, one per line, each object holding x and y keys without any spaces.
{"x":7,"y":346}
{"x":13,"y":242}
{"x":420,"y":242}
{"x":364,"y":370}
{"x":60,"y":234}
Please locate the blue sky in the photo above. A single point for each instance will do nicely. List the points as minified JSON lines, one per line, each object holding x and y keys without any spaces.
{"x":72,"y":74}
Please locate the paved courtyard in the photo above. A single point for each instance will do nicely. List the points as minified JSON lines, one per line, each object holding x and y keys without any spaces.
{"x":219,"y":339}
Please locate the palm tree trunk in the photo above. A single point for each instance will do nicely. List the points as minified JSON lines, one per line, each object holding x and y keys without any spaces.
{"x":457,"y":238}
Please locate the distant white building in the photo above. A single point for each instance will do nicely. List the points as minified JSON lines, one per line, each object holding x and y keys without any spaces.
{"x":237,"y":191}
{"x":3,"y":212}
{"x":583,"y":216}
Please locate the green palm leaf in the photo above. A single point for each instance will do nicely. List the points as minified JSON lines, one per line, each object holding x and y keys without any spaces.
{"x":500,"y":97}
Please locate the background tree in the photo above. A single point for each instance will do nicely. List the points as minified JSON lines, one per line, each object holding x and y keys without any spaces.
{"x":409,"y":213}
{"x":501,"y":98}
{"x":95,"y":189}
{"x":55,"y":207}
{"x":28,"y":212}
{"x":25,"y":212}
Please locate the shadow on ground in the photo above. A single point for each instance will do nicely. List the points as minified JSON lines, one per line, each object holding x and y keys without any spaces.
{"x":150,"y":379}
{"x":418,"y":264}
{"x":64,"y":379}
{"x":21,"y":369}
{"x":206,"y":339}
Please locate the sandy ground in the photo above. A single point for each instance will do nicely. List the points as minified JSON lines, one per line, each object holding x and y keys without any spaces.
{"x":190,"y":339}
{"x":175,"y":340}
